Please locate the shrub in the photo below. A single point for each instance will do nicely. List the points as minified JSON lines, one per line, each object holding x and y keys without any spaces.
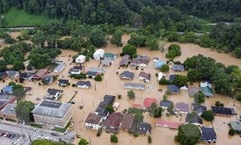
{"x":98,"y":78}
{"x":119,"y":96}
{"x":114,"y":138}
{"x":231,"y":132}
{"x":73,"y":85}
{"x":149,"y":139}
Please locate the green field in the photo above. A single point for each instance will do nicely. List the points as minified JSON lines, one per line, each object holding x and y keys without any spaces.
{"x":15,"y":17}
{"x":45,"y":142}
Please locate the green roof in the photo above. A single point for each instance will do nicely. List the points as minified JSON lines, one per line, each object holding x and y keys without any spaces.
{"x":207,"y":91}
{"x":109,"y":55}
{"x":236,"y":125}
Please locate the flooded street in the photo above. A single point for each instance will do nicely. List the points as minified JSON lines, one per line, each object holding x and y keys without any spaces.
{"x":112,"y":85}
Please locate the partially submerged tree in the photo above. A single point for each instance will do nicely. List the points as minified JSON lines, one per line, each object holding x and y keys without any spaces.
{"x":208,"y":115}
{"x":199,"y":97}
{"x":131,"y":94}
{"x":83,"y":142}
{"x":188,"y":134}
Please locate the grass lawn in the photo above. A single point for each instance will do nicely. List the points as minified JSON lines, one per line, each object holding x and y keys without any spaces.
{"x":46,"y":142}
{"x":15,"y":17}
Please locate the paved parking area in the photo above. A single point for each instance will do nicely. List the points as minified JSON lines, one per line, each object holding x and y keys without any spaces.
{"x":9,"y":138}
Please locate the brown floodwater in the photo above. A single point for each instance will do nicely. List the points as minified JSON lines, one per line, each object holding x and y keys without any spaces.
{"x":112,"y":85}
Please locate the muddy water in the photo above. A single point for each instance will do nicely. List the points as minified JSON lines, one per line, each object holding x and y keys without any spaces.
{"x":112,"y":85}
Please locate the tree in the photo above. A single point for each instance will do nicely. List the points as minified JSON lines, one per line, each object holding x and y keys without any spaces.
{"x":110,"y":108}
{"x":164,"y":68}
{"x":188,"y":134}
{"x":173,"y":51}
{"x":17,"y":65}
{"x":130,"y":50}
{"x":217,"y":103}
{"x":98,"y":78}
{"x":39,"y":38}
{"x":138,"y":116}
{"x":98,"y":38}
{"x":180,"y":80}
{"x":152,"y":43}
{"x":157,"y":112}
{"x":137,"y":40}
{"x":3,"y":65}
{"x":116,"y":38}
{"x":83,"y":142}
{"x":231,"y":132}
{"x":114,"y":138}
{"x":199,"y":97}
{"x":131,"y":94}
{"x":208,"y":115}
{"x":23,"y":111}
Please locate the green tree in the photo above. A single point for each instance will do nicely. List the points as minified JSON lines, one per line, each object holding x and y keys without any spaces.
{"x":163,"y":81}
{"x":83,"y":142}
{"x":130,"y":49}
{"x":188,"y":134}
{"x":98,"y":78}
{"x":173,"y":51}
{"x":131,"y":94}
{"x":231,"y":132}
{"x":114,"y":138}
{"x":157,"y":112}
{"x":110,"y":108}
{"x":23,"y":111}
{"x":152,"y":43}
{"x":138,"y":116}
{"x":208,"y":115}
{"x":199,"y":97}
{"x":180,"y":80}
{"x":3,"y":65}
{"x":17,"y":65}
{"x":98,"y":38}
{"x":39,"y":38}
{"x":164,"y":68}
{"x":116,"y":38}
{"x":137,"y":40}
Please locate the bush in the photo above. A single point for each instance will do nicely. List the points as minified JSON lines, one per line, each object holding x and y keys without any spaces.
{"x":114,"y":138}
{"x":99,"y":132}
{"x":149,"y":139}
{"x":119,"y":96}
{"x":231,"y":132}
{"x":73,"y":85}
{"x":98,"y":78}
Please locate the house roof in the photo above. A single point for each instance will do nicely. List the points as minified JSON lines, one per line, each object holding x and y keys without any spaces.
{"x":125,"y":60}
{"x":108,"y":100}
{"x":40,"y":73}
{"x":145,"y":75}
{"x":3,"y":75}
{"x":222,"y":110}
{"x":173,"y":88}
{"x":109,"y":55}
{"x":83,"y":83}
{"x":9,"y":109}
{"x":93,"y":119}
{"x":127,"y":121}
{"x":159,"y":64}
{"x":165,"y":103}
{"x":172,"y":125}
{"x":114,"y":120}
{"x":5,"y":99}
{"x":198,"y":108}
{"x":12,"y":73}
{"x":59,"y":67}
{"x":52,"y":91}
{"x":106,"y":62}
{"x":7,"y":89}
{"x":208,"y":134}
{"x":51,"y":109}
{"x":178,"y":67}
{"x":183,"y":107}
{"x":48,"y":79}
{"x":127,"y":75}
{"x":136,"y":105}
{"x":26,"y":75}
{"x":193,"y":118}
{"x":136,"y":86}
{"x":236,"y":125}
{"x":74,"y":70}
{"x":143,"y":127}
{"x":63,"y":81}
{"x":148,"y":101}
{"x":96,"y":69}
{"x":172,"y":77}
{"x":91,"y":73}
{"x":192,"y":90}
{"x":207,"y":91}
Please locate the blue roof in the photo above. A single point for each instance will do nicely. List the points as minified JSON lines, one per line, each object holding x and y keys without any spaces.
{"x":173,"y":88}
{"x":159,"y":64}
{"x":8,"y":89}
{"x":208,"y":134}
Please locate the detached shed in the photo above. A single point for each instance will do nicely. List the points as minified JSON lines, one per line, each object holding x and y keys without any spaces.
{"x":80,"y":59}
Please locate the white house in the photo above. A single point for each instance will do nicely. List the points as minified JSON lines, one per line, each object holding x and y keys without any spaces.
{"x":93,"y":121}
{"x":80,"y":59}
{"x":59,"y":68}
{"x":99,"y":53}
{"x":160,"y":76}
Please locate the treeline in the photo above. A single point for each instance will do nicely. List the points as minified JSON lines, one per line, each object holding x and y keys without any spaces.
{"x":120,"y":12}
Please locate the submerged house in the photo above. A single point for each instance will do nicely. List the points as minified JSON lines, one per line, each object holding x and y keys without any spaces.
{"x":207,"y":89}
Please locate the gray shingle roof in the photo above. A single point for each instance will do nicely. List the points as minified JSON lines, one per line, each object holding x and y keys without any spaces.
{"x":51,"y":109}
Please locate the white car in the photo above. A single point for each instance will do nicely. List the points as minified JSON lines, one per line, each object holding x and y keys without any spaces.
{"x":20,"y":138}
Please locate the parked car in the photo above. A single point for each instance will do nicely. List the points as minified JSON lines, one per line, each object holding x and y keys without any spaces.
{"x":20,"y":138}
